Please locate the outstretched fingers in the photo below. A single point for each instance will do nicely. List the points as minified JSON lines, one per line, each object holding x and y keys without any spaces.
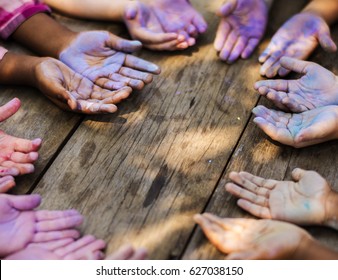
{"x":141,"y":65}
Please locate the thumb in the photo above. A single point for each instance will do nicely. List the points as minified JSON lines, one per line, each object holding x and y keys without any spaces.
{"x":25,"y":202}
{"x":119,"y":44}
{"x":227,"y":9}
{"x":131,"y":11}
{"x":326,"y":41}
{"x":296,"y":65}
{"x":9,"y":109}
{"x":297,"y":174}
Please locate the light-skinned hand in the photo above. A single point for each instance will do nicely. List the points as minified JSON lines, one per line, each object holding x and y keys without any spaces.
{"x":297,"y":38}
{"x":317,"y":87}
{"x":301,"y":201}
{"x":299,"y":130}
{"x":247,"y":239}
{"x":241,"y":28}
{"x":17,"y":155}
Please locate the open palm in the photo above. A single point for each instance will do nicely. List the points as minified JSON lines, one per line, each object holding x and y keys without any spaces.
{"x":72,"y":91}
{"x":317,"y":87}
{"x":301,"y":201}
{"x":297,"y":38}
{"x":241,"y":28}
{"x":20,"y":225}
{"x":101,"y":57}
{"x":248,"y":239}
{"x":298,"y":130}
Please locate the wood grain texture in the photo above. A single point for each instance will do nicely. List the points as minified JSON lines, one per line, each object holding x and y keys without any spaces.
{"x":141,"y":174}
{"x":257,"y":154}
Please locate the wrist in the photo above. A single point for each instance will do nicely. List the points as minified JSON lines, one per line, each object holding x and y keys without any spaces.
{"x":44,"y":35}
{"x":331,"y":210}
{"x":327,"y":11}
{"x":301,"y":251}
{"x":17,"y":69}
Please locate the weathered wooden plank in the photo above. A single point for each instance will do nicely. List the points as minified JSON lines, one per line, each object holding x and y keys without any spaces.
{"x":257,"y":154}
{"x":141,"y":174}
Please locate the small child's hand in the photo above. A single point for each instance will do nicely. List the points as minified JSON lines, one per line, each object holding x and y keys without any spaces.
{"x":302,"y":201}
{"x":102,"y":58}
{"x":297,"y":38}
{"x":144,"y":26}
{"x":21,"y":225}
{"x":71,"y":91}
{"x":241,"y":28}
{"x":17,"y":155}
{"x":299,"y":130}
{"x":317,"y":87}
{"x":179,"y":17}
{"x":247,"y":239}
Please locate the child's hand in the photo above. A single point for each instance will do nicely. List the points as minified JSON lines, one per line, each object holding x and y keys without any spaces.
{"x":101,"y":57}
{"x":299,"y":130}
{"x":297,"y":38}
{"x":72,"y":91}
{"x":241,"y":28}
{"x":180,"y":17}
{"x":317,"y":88}
{"x":301,"y":201}
{"x":144,"y":26}
{"x":21,"y":225}
{"x":247,"y":239}
{"x":17,"y":155}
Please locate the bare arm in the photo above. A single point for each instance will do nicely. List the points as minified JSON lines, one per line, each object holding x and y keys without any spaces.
{"x":327,"y":9}
{"x":89,"y":9}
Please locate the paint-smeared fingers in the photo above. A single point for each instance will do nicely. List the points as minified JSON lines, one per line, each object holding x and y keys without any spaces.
{"x":243,"y":193}
{"x":45,"y":215}
{"x":23,"y":168}
{"x":278,"y":85}
{"x":109,"y":84}
{"x":19,"y":157}
{"x":59,"y":224}
{"x":6,"y":183}
{"x":95,"y":107}
{"x":52,"y":245}
{"x":168,"y":46}
{"x":249,"y":182}
{"x":55,"y":235}
{"x":237,"y":49}
{"x":133,"y":83}
{"x":26,"y":146}
{"x":8,"y":171}
{"x":259,"y":181}
{"x":137,"y":75}
{"x":272,"y":61}
{"x":141,"y":64}
{"x":250,"y":47}
{"x":82,"y":248}
{"x":294,"y":106}
{"x":104,"y":94}
{"x":228,"y":45}
{"x":221,"y":35}
{"x":254,"y":209}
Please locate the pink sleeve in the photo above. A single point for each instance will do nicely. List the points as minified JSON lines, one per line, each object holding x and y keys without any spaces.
{"x":14,"y":12}
{"x":3,"y":51}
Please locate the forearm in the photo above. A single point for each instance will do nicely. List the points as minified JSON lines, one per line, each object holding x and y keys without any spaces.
{"x":16,"y":69}
{"x":327,"y":9}
{"x":91,"y":9}
{"x":311,"y":249}
{"x":44,"y":35}
{"x":331,"y":207}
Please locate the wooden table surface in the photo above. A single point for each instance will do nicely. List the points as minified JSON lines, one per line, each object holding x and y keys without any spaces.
{"x":141,"y":174}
